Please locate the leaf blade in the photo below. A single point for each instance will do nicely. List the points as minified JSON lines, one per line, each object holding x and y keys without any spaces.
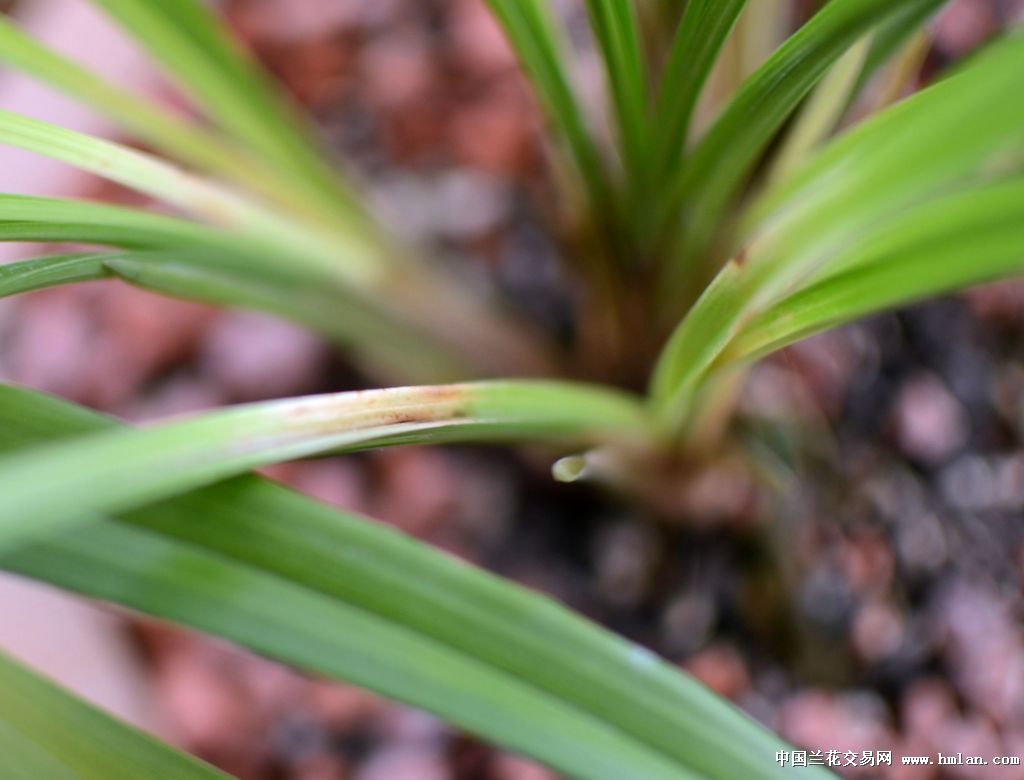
{"x":46,"y":732}
{"x":291,"y":624}
{"x":615,"y":26}
{"x":535,"y":38}
{"x":347,"y":255}
{"x":824,"y":108}
{"x":912,"y":152}
{"x":966,"y":238}
{"x":42,"y":272}
{"x":381,"y":571}
{"x":53,"y":220}
{"x":116,"y":471}
{"x":208,"y":65}
{"x":715,"y":171}
{"x":699,"y":39}
{"x":915,"y":150}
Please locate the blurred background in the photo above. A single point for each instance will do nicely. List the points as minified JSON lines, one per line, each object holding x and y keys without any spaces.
{"x":854,"y":580}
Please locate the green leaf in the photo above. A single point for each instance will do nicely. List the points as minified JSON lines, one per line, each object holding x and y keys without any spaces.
{"x":923,"y":147}
{"x":890,"y":37}
{"x":711,"y":178}
{"x":822,"y":112}
{"x":413,"y":330}
{"x":615,"y":27}
{"x":42,"y":272}
{"x":248,"y":531}
{"x":702,"y":32}
{"x":27,"y":218}
{"x":163,"y":129}
{"x":206,"y":277}
{"x":351,"y":263}
{"x":382,"y":331}
{"x":212,"y":69}
{"x":198,"y":262}
{"x":960,"y":240}
{"x":151,"y":122}
{"x":917,"y":150}
{"x":45,"y":732}
{"x":290,"y":623}
{"x":537,"y":42}
{"x":345,"y":248}
{"x":693,"y":346}
{"x":383,"y":347}
{"x":348,"y":256}
{"x":119,"y":470}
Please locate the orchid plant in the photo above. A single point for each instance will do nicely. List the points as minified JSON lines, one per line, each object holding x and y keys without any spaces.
{"x":715,"y":221}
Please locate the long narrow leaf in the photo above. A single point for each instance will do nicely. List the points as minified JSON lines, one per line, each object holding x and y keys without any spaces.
{"x":350,"y":257}
{"x":189,"y":39}
{"x":207,"y":64}
{"x":382,"y":572}
{"x":703,"y":30}
{"x":695,"y":344}
{"x":724,"y":159}
{"x":408,"y":295}
{"x":160,"y":127}
{"x":163,"y":129}
{"x":534,"y":36}
{"x":386,"y":349}
{"x":615,"y":27}
{"x":910,"y":153}
{"x":45,"y":732}
{"x":52,"y":271}
{"x":890,"y":37}
{"x":822,"y":112}
{"x":961,"y":240}
{"x":206,"y":277}
{"x":28,"y":218}
{"x":411,"y":312}
{"x":292,"y":624}
{"x":351,"y":243}
{"x":116,"y":471}
{"x":918,"y":149}
{"x":389,"y":346}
